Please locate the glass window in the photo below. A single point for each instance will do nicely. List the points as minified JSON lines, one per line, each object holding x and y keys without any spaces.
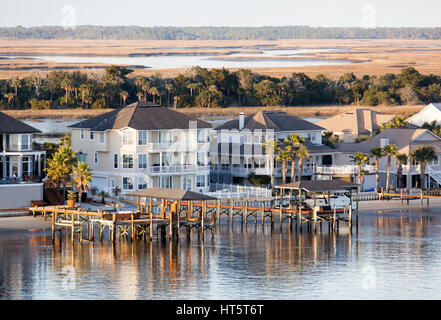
{"x":167,"y":182}
{"x":202,"y":159}
{"x":142,"y":184}
{"x":142,"y":161}
{"x":81,"y":157}
{"x":101,"y":137}
{"x":91,"y":135}
{"x":25,"y":143}
{"x":95,"y":157}
{"x":112,"y":183}
{"x":202,"y":137}
{"x":115,"y":161}
{"x":200,"y":181}
{"x":164,"y":136}
{"x":128,"y":161}
{"x":82,"y":134}
{"x":142,"y":138}
{"x":127,"y":137}
{"x":127,"y":183}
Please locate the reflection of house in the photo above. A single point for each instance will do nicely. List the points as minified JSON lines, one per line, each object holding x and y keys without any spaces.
{"x":355,"y":124}
{"x":430,"y":113}
{"x":406,"y":141}
{"x":144,"y":145}
{"x":237,"y":146}
{"x":19,"y":164}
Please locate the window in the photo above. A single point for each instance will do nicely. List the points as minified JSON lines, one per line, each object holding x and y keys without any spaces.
{"x":167,"y":182}
{"x":311,"y":136}
{"x":127,"y":183}
{"x":258,"y":139}
{"x":202,"y":137}
{"x":164,"y":136}
{"x":26,"y":166}
{"x":25,"y":142}
{"x":142,"y":138}
{"x":128,"y":161}
{"x":247,"y":138}
{"x":142,"y":184}
{"x":101,"y":138}
{"x":202,"y":159}
{"x":95,"y":157}
{"x":82,"y":134}
{"x":112,"y":183}
{"x":200,"y":181}
{"x":127,"y":137}
{"x":142,"y":161}
{"x":81,"y":157}
{"x":115,"y":161}
{"x":91,"y":135}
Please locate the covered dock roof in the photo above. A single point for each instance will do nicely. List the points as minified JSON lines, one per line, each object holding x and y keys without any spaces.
{"x":170,"y":194}
{"x":319,"y":185}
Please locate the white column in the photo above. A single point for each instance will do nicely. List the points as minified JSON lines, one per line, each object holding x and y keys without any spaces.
{"x":19,"y":167}
{"x":39,"y":164}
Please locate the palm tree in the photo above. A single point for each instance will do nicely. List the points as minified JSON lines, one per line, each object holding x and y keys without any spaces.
{"x":124,"y":95}
{"x":284,"y":156}
{"x":302,"y":153}
{"x":293,"y":142}
{"x":176,"y":100}
{"x":103,"y":194}
{"x":401,"y":159}
{"x":10,"y":96}
{"x":140,"y":96}
{"x":211,"y":90}
{"x":389,"y":151}
{"x":271,"y":147}
{"x":192,"y":87}
{"x":378,"y":153}
{"x":145,"y":87}
{"x":360,"y":159}
{"x":396,"y":122}
{"x":154,"y":92}
{"x":363,"y":175}
{"x":66,"y":84}
{"x":422,"y":155}
{"x":169,"y":88}
{"x":81,"y":177}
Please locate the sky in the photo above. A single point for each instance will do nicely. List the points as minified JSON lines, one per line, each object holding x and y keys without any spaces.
{"x":254,"y":13}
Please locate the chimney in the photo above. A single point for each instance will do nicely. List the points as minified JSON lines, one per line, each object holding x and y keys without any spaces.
{"x":241,"y":121}
{"x":384,"y":142}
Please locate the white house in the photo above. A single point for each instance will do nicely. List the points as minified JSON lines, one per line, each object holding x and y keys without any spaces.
{"x":144,"y":145}
{"x":237,"y":147}
{"x":431,"y":112}
{"x":20,"y":165}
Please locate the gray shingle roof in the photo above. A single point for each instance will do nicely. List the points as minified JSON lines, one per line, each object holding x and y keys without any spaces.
{"x":319,"y":185}
{"x":140,"y":116}
{"x":170,"y":194}
{"x":10,"y":125}
{"x":277,"y":121}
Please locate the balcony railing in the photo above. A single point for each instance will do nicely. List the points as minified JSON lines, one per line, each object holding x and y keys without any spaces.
{"x":17,"y":147}
{"x":174,"y":169}
{"x":172,"y":146}
{"x":344,"y":169}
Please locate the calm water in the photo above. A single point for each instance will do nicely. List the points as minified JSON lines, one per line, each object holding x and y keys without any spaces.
{"x":389,"y":257}
{"x":264,"y":59}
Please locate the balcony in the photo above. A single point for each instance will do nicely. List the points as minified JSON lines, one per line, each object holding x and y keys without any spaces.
{"x":344,"y":169}
{"x":172,"y":146}
{"x":18,"y":147}
{"x":175,"y":169}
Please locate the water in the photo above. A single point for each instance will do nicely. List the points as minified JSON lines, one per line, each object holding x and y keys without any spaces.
{"x":264,"y":59}
{"x":392,"y":256}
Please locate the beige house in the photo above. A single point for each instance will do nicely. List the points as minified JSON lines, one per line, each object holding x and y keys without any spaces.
{"x":355,"y":124}
{"x":144,"y":145}
{"x":406,"y":140}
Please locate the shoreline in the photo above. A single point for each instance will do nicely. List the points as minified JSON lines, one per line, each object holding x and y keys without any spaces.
{"x":28,"y":225}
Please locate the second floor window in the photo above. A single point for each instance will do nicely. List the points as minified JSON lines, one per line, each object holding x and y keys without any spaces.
{"x":115,"y":161}
{"x":91,"y":135}
{"x":142,"y":161}
{"x":127,"y":137}
{"x":142,"y":138}
{"x":95,"y":157}
{"x":202,"y":159}
{"x":101,"y":137}
{"x":128,"y":161}
{"x":25,"y":141}
{"x":200,"y":181}
{"x":127,"y":183}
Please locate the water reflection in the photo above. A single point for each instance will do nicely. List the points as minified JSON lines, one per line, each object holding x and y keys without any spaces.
{"x":401,"y":252}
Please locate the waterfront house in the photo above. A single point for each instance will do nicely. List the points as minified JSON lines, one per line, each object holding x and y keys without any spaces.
{"x":144,"y":145}
{"x":430,"y":113}
{"x":20,"y":165}
{"x":356,"y":124}
{"x":237,"y":147}
{"x":406,"y":140}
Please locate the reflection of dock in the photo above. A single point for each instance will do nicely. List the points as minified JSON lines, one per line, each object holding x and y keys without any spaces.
{"x":161,"y":211}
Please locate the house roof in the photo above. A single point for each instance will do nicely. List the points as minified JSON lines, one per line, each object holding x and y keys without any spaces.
{"x":418,"y":118}
{"x":358,"y":121}
{"x":277,"y":121}
{"x":170,"y":194}
{"x":10,"y":125}
{"x":318,"y":185}
{"x":140,"y":116}
{"x":404,"y":139}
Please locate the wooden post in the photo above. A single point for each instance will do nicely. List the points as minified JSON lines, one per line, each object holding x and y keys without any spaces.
{"x":314,"y":217}
{"x":170,"y":230}
{"x":246,"y":212}
{"x":281,"y":208}
{"x":137,"y":203}
{"x":334,"y":217}
{"x":382,"y":193}
{"x":73,"y":227}
{"x":133,"y":225}
{"x":218,"y":210}
{"x":113,"y":226}
{"x":300,"y":208}
{"x":203,"y":215}
{"x":53,"y":226}
{"x":422,"y":200}
{"x":151,"y":220}
{"x":350,"y":218}
{"x":263,"y":212}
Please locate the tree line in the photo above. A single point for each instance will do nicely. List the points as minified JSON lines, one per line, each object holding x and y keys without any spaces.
{"x":214,"y":33}
{"x":204,"y":88}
